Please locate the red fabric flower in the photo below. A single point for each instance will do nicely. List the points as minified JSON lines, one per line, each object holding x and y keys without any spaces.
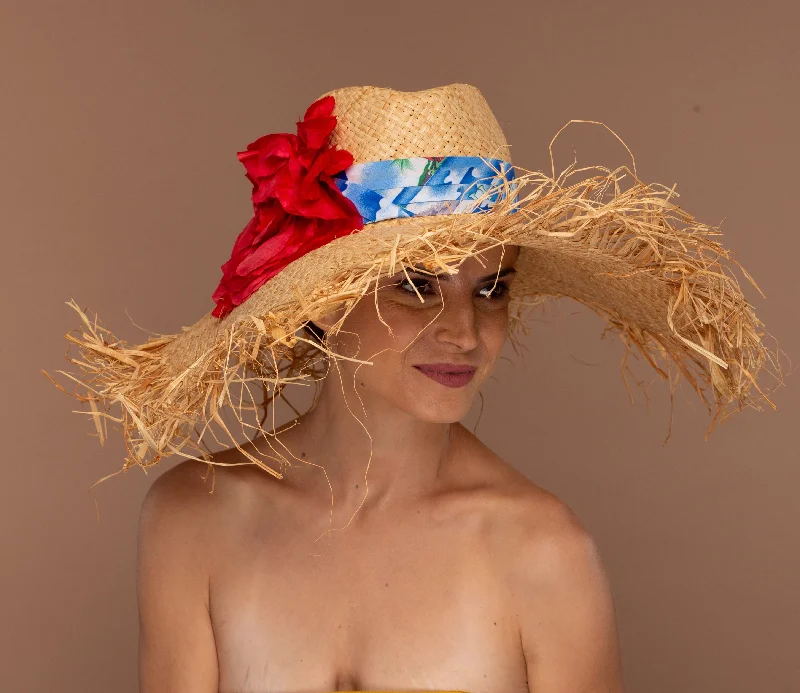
{"x":297,"y":205}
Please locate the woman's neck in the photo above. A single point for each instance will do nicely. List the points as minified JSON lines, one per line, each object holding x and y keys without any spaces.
{"x":375,"y":445}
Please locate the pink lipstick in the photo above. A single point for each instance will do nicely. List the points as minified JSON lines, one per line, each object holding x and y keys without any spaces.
{"x":448,"y":374}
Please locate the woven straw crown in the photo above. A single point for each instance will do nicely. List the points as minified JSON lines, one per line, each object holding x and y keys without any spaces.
{"x":375,"y":124}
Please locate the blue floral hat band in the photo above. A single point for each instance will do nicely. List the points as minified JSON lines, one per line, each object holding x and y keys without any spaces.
{"x":425,"y":186}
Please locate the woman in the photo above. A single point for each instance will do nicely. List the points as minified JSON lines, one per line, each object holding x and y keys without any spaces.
{"x":454,"y":572}
{"x":395,"y":551}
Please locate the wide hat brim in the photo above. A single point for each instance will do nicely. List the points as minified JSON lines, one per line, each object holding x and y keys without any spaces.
{"x":625,"y":248}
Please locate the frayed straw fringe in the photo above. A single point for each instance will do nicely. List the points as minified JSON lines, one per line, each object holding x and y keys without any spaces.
{"x":648,"y":267}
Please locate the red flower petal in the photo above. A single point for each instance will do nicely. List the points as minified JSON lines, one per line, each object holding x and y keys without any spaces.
{"x":268,"y":249}
{"x":314,"y":133}
{"x":267,"y":153}
{"x":297,"y":206}
{"x":318,"y":123}
{"x":321,"y":108}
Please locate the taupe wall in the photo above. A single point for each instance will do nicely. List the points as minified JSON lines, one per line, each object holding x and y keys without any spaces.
{"x":119,"y":123}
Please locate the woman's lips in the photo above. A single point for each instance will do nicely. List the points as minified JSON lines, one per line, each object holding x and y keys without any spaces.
{"x":448,"y":374}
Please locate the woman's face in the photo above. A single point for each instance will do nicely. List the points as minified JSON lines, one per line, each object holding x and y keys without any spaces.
{"x":460,"y":326}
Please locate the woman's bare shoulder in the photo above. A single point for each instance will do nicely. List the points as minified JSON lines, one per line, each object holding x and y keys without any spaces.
{"x":175,"y":506}
{"x":498,"y":475}
{"x":192,"y":487}
{"x":184,"y":485}
{"x":523,"y":510}
{"x":535,"y":527}
{"x":223,"y":496}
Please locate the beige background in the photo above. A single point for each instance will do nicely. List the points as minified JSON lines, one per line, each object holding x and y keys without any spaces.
{"x":120,"y":187}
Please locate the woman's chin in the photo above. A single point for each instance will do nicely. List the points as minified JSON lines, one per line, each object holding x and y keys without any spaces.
{"x":443,"y":411}
{"x":425,"y":399}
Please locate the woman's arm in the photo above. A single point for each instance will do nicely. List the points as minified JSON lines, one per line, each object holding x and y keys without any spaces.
{"x":566,"y":611}
{"x":176,"y":643}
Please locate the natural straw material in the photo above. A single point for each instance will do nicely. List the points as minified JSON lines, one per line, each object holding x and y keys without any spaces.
{"x":618,"y":245}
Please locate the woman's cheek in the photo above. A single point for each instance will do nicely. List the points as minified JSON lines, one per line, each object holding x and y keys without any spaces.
{"x":406,"y":318}
{"x":494,"y":328}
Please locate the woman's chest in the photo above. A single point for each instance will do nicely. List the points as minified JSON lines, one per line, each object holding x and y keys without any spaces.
{"x":371,"y":615}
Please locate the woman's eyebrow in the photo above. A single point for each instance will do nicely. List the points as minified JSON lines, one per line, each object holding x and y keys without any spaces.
{"x":444,"y":276}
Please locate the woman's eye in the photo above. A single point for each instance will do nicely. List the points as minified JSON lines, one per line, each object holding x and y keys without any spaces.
{"x":423,"y":286}
{"x":420,"y":284}
{"x":495,"y":291}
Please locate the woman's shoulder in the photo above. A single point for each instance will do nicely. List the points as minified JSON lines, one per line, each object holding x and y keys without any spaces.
{"x":522,"y":511}
{"x":482,"y":465}
{"x":199,"y":491}
{"x":179,"y":487}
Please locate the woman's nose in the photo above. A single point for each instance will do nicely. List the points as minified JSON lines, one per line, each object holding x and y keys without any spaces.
{"x":457,"y":323}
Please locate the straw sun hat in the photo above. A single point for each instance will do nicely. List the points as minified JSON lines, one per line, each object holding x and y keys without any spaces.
{"x":376,"y":181}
